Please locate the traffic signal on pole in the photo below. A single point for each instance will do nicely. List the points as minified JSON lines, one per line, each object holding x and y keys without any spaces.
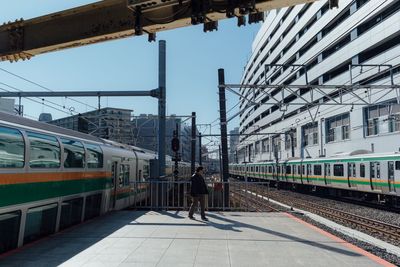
{"x":175,"y":144}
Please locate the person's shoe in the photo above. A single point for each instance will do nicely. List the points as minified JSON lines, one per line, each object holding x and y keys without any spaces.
{"x":191,"y":217}
{"x":204,"y":219}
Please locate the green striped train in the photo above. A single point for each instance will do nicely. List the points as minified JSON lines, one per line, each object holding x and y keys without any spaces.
{"x":376,"y":175}
{"x":52,"y":178}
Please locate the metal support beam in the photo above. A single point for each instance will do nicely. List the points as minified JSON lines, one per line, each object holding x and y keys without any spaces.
{"x":200,"y":160}
{"x":193,"y":146}
{"x":152,"y":93}
{"x":224,"y":134}
{"x":161,"y":107}
{"x":113,"y":19}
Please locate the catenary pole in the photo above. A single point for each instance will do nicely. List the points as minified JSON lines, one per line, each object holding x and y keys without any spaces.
{"x":193,"y":143}
{"x":161,"y":107}
{"x":224,"y":134}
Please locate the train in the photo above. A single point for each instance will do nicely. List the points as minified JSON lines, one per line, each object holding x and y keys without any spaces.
{"x":358,"y":174}
{"x":52,"y":178}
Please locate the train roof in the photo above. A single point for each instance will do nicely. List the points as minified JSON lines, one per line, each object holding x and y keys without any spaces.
{"x":18,"y":121}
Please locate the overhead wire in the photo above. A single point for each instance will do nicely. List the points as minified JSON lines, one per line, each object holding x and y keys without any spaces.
{"x":42,"y":99}
{"x":43,"y":87}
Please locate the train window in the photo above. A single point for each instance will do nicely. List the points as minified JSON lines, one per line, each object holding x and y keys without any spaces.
{"x":121,"y":175}
{"x":95,"y":156}
{"x":146,"y":171}
{"x":270,"y":169}
{"x":92,"y":206}
{"x":124,"y":175}
{"x":9,"y":230}
{"x":303,"y":169}
{"x":12,"y":148}
{"x":317,"y":170}
{"x":362,"y":170}
{"x":74,"y":154}
{"x":397,"y":165}
{"x":288,"y":169}
{"x":257,"y":169}
{"x":299,"y":169}
{"x":45,"y":151}
{"x":40,"y":221}
{"x":71,"y":212}
{"x":378,"y":170}
{"x":372,"y":170}
{"x":338,"y":170}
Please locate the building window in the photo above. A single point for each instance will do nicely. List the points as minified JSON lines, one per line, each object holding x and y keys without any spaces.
{"x":265,"y":145}
{"x":382,"y":118}
{"x":310,"y":133}
{"x":289,"y":141}
{"x":338,"y":128}
{"x":276,"y":144}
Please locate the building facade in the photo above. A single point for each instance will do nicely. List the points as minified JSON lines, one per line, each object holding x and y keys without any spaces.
{"x":8,"y":105}
{"x":146,"y":134}
{"x":108,"y":123}
{"x":310,"y":44}
{"x":142,"y":131}
{"x":233,"y":143}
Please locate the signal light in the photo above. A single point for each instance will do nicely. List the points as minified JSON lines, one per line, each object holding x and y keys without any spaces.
{"x":175,"y":144}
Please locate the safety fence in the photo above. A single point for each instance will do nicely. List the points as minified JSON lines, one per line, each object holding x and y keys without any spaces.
{"x":222,"y":196}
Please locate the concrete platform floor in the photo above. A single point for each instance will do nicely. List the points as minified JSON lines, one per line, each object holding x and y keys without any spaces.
{"x":140,"y":238}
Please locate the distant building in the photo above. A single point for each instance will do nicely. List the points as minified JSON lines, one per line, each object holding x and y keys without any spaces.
{"x":142,"y":131}
{"x":146,"y":134}
{"x":233,"y":143}
{"x":8,"y":106}
{"x":108,"y":123}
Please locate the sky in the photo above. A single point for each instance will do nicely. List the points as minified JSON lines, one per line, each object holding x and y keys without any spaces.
{"x":193,"y":60}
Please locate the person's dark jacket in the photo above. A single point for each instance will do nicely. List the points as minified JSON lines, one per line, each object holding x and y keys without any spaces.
{"x":199,"y":186}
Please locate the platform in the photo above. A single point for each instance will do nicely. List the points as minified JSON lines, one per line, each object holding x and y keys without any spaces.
{"x":148,"y":238}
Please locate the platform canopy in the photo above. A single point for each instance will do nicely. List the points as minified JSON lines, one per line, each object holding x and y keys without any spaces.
{"x":114,"y":19}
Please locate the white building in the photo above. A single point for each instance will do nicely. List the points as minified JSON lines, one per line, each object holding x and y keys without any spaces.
{"x":326,"y":42}
{"x":8,"y":105}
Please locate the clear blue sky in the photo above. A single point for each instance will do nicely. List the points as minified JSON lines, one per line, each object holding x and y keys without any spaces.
{"x":193,"y":58}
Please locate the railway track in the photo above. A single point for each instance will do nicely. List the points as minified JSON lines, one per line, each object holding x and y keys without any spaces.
{"x":379,"y":229}
{"x":250,"y":201}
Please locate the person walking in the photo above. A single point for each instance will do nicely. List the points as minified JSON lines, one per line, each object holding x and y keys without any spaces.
{"x":198,"y":191}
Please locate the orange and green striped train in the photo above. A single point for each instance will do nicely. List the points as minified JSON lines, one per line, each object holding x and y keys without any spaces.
{"x":366,"y":173}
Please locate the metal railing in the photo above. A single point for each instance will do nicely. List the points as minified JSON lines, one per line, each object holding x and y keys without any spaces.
{"x":175,"y":195}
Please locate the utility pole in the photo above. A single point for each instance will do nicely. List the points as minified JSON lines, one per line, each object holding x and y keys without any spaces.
{"x":193,"y":147}
{"x":161,"y":107}
{"x":224,"y":134}
{"x":200,"y":160}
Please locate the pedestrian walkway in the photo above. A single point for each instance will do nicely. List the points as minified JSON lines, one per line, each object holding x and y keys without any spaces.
{"x":148,"y":238}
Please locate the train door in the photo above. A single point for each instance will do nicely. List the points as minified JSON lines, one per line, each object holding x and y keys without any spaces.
{"x":308,"y":172}
{"x":301,"y":172}
{"x":327,"y":173}
{"x":351,"y":174}
{"x":114,"y":175}
{"x":375,"y":175}
{"x":391,"y":176}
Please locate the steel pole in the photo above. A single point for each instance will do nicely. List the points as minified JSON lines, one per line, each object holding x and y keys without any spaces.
{"x":161,"y":107}
{"x":193,"y":147}
{"x":224,"y":134}
{"x":200,"y":160}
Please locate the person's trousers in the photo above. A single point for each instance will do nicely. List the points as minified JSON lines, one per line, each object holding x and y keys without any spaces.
{"x":195,"y":200}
